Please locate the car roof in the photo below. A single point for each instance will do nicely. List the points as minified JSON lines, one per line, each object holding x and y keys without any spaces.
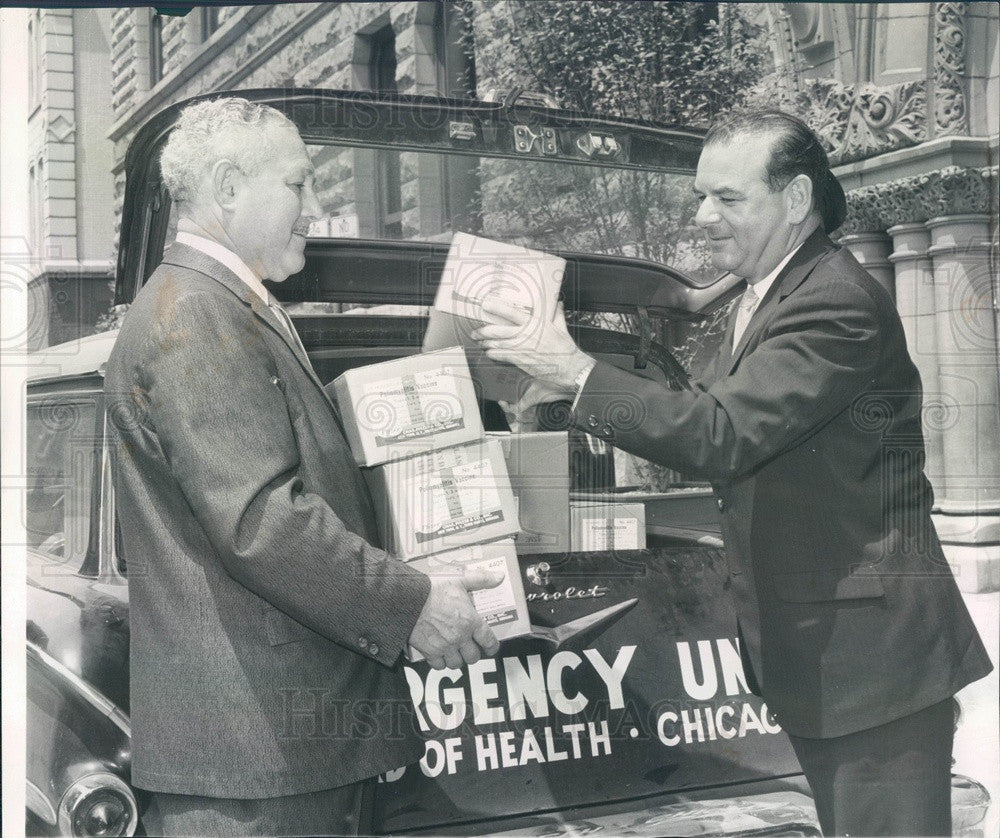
{"x":87,"y":355}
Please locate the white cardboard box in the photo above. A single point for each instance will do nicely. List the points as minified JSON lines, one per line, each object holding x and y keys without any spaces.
{"x":538,"y":467}
{"x":504,"y":608}
{"x":607,"y":526}
{"x":523,"y":279}
{"x":444,"y":499}
{"x":408,"y":406}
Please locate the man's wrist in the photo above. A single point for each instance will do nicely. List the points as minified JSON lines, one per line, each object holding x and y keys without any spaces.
{"x":576,"y":370}
{"x":583,"y":373}
{"x":581,"y":379}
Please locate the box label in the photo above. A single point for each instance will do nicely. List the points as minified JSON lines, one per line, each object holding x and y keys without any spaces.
{"x":611,"y":534}
{"x":495,"y":605}
{"x":457,"y":499}
{"x":411,"y":406}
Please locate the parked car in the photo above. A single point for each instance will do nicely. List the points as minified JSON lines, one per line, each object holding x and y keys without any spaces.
{"x":626,"y":711}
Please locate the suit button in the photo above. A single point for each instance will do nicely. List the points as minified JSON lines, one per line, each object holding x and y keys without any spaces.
{"x":363,"y":642}
{"x":607,"y":430}
{"x":721,"y":504}
{"x":373,"y":649}
{"x":592,"y":421}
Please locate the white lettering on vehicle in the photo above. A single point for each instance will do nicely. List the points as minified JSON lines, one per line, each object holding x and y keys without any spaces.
{"x":440,"y":703}
{"x":526,"y":689}
{"x":594,"y":592}
{"x":707,"y":723}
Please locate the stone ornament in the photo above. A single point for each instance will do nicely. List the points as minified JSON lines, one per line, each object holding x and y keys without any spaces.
{"x":950,"y":115}
{"x":857,"y":121}
{"x":954,"y":190}
{"x":882,"y":119}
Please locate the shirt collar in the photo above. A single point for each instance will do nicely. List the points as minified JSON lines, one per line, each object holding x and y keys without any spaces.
{"x":761,"y":288}
{"x":223,"y":255}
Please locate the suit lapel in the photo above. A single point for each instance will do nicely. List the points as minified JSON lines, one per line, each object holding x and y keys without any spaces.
{"x":272,"y":320}
{"x":790,"y":278}
{"x":189,"y":257}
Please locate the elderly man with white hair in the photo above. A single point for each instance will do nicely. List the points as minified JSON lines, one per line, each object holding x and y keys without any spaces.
{"x":266,"y":623}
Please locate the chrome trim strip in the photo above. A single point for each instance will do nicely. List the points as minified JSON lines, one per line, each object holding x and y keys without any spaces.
{"x":94,"y":697}
{"x":691,"y":534}
{"x":38,"y":803}
{"x":74,"y":395}
{"x":106,"y":527}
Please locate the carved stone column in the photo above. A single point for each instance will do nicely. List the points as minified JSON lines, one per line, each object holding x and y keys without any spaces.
{"x":966,"y":334}
{"x":945,"y":295}
{"x":872,"y":251}
{"x":967,"y":353}
{"x":915,"y":301}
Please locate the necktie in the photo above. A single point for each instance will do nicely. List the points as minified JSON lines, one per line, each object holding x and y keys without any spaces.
{"x":748,"y":303}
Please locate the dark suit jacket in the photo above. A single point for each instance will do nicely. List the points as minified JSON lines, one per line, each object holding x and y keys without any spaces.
{"x":265,"y":627}
{"x":810,"y":433}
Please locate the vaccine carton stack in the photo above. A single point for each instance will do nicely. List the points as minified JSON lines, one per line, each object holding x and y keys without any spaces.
{"x":442,"y":495}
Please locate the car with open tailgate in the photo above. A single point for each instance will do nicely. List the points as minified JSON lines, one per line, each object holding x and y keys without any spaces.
{"x":626,"y":710}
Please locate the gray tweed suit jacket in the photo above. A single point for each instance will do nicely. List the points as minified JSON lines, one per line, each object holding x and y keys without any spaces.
{"x":266,"y":627}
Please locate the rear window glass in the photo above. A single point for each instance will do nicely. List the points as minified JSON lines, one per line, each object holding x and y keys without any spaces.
{"x":547,"y":205}
{"x":543,"y":204}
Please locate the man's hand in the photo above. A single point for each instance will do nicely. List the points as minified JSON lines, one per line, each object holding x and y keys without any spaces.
{"x":448,"y":631}
{"x":541,"y":348}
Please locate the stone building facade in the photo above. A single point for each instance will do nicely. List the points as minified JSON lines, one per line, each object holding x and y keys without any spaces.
{"x":400,"y":47}
{"x":904,"y":95}
{"x":71,"y":209}
{"x":906,"y":98}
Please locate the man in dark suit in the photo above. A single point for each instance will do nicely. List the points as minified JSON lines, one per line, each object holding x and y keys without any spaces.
{"x":266,"y":626}
{"x":807,"y":423}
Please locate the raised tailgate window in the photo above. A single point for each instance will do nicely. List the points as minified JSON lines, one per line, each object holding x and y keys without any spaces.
{"x":541,"y":204}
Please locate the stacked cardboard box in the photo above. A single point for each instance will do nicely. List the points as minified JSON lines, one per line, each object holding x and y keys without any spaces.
{"x":441,"y":490}
{"x":596,"y":525}
{"x":504,"y":608}
{"x":538,"y":466}
{"x":408,"y":406}
{"x":444,"y":499}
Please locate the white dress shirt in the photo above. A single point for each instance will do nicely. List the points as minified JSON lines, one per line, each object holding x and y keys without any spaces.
{"x":760,"y":289}
{"x":223,"y":255}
